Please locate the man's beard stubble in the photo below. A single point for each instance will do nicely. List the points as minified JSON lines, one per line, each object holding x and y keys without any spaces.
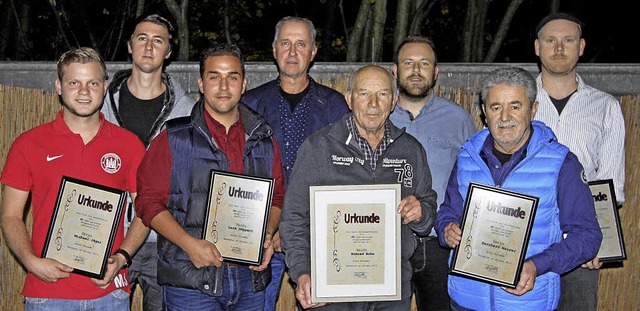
{"x":418,"y":92}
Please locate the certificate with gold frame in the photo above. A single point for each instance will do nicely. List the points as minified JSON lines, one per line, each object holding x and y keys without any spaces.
{"x":604,"y":199}
{"x":237,"y":215}
{"x":496,"y":227}
{"x":84,"y":225}
{"x":355,"y":243}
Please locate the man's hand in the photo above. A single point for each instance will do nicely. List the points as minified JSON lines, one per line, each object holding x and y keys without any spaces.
{"x":266,"y":256}
{"x":527,"y":280}
{"x":114,"y":265}
{"x":593,"y":264}
{"x":452,"y":234}
{"x":203,"y":253}
{"x":49,"y":270}
{"x":303,"y":293}
{"x":410,"y":209}
{"x":276,"y":242}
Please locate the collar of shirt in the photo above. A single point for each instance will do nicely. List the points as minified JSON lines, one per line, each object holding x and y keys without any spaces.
{"x":498,"y":170}
{"x":423,"y":111}
{"x":231,"y":143}
{"x":370,"y":155}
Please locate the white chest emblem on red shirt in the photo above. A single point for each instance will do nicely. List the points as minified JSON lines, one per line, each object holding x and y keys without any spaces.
{"x":111,"y":163}
{"x":51,"y":158}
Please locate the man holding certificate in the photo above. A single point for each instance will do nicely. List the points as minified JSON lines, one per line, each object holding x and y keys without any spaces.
{"x":517,"y":154}
{"x":174,"y":178}
{"x":586,"y":120}
{"x":363,"y":148}
{"x":78,"y":145}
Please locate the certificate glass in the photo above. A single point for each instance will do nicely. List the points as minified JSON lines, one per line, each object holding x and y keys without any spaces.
{"x":84,"y":225}
{"x":496,"y":226}
{"x":604,"y":199}
{"x":355,"y":243}
{"x":237,"y":215}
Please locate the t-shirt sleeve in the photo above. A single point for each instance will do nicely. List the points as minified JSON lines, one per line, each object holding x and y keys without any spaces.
{"x":17,"y":172}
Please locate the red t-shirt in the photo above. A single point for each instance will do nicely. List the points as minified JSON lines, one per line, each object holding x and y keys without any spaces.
{"x":37,"y":161}
{"x":154,"y":174}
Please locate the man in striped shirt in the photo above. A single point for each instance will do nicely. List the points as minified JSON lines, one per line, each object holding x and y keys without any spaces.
{"x":586,"y":120}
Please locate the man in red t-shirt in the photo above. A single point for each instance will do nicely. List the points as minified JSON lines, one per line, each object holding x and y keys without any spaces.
{"x":79,"y":144}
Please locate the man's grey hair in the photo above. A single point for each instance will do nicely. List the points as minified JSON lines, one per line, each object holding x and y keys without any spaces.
{"x":306,"y":21}
{"x":514,"y":76}
{"x":392,"y":79}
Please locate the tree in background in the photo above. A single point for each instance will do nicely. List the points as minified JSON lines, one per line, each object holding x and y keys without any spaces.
{"x":348,"y":30}
{"x":179,"y":10}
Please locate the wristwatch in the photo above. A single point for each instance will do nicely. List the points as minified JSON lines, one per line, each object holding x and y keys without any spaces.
{"x":126,"y":256}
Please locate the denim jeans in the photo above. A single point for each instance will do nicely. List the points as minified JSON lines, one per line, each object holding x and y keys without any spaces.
{"x":273,"y":289}
{"x":117,"y":300}
{"x":579,"y":290}
{"x":143,"y":270}
{"x":430,"y":265}
{"x":237,"y":294}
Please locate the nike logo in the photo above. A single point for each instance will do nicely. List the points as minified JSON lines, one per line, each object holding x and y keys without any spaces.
{"x":49,"y":159}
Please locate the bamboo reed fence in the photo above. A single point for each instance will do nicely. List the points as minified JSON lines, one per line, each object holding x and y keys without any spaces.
{"x":22,"y":109}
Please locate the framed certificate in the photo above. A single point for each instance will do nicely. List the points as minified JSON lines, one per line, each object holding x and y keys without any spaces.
{"x":355,"y":243}
{"x":237,"y":215}
{"x":84,"y":225}
{"x":496,"y":227}
{"x":604,"y":197}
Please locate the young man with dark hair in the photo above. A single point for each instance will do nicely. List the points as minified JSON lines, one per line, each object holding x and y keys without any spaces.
{"x":174,"y":177}
{"x":141,"y":100}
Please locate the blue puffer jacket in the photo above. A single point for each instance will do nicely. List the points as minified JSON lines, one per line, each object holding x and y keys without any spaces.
{"x":536,"y":175}
{"x":195,"y":154}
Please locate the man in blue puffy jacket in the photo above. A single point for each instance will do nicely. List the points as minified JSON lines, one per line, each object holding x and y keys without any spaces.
{"x":518,"y":154}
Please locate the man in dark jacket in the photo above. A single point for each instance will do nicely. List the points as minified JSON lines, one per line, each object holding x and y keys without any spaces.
{"x":221,"y":134}
{"x":295,"y":106}
{"x":362,"y":148}
{"x":140,"y":100}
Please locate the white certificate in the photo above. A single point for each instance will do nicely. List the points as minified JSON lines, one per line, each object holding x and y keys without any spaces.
{"x":355,"y":245}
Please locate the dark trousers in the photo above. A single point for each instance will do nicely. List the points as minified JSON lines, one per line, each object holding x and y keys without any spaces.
{"x":399,"y":305}
{"x":144,"y":266}
{"x":430,"y":265}
{"x":579,"y":290}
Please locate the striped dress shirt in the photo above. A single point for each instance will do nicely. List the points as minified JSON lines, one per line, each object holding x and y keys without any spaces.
{"x":593,"y":128}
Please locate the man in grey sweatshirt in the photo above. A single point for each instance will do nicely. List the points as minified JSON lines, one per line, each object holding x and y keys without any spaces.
{"x":363,"y":148}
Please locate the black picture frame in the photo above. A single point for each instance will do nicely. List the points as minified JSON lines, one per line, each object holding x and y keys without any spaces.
{"x":612,"y":247}
{"x":84,"y":225}
{"x":496,"y":226}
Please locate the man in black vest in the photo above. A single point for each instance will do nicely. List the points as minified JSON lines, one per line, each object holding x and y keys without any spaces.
{"x":223,"y":134}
